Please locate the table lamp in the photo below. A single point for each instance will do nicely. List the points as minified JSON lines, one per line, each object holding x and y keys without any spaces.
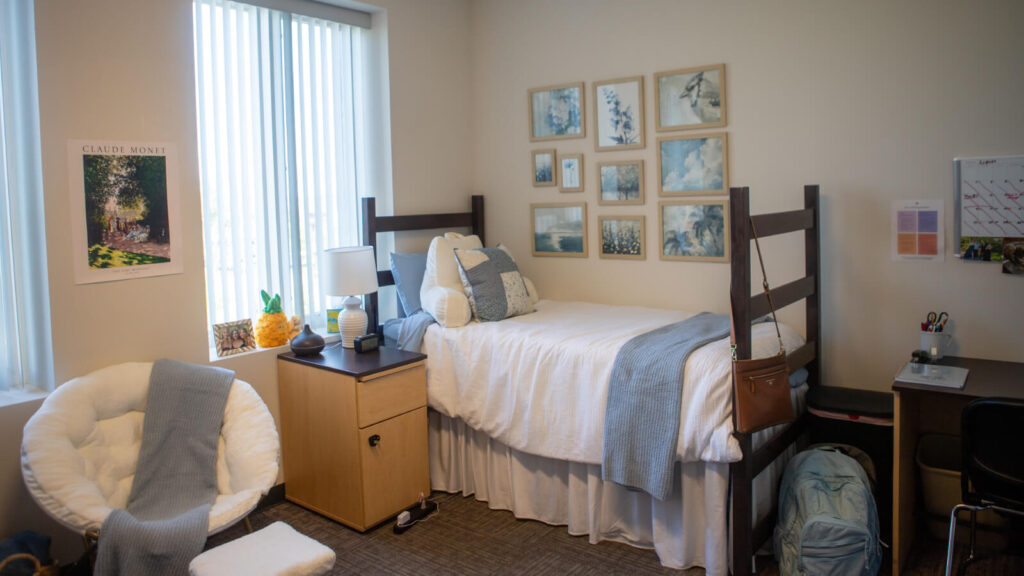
{"x":349,"y":272}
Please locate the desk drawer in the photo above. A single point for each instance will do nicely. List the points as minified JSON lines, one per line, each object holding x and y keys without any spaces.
{"x":381,"y":397}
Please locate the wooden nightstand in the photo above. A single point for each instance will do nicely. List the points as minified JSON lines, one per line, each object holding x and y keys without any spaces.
{"x":354,"y":432}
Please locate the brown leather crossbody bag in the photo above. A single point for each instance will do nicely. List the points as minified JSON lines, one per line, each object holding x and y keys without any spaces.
{"x":761,"y":386}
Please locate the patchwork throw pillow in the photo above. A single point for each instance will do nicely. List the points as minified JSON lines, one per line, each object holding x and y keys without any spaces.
{"x":492,"y":283}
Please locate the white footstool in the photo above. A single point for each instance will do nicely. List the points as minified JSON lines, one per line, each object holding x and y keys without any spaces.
{"x":277,"y":550}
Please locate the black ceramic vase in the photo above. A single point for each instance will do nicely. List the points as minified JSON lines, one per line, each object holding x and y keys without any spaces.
{"x":307,"y":343}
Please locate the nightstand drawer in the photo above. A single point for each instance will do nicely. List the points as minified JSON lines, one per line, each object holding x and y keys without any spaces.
{"x":396,"y":392}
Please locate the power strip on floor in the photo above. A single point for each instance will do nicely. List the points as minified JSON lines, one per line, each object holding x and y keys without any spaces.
{"x":413,"y":514}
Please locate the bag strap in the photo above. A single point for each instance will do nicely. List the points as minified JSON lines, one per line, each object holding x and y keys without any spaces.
{"x":767,"y":292}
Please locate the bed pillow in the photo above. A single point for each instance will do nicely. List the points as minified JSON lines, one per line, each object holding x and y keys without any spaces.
{"x":530,"y":288}
{"x":441,"y":292}
{"x":492,"y":283}
{"x":408,"y":270}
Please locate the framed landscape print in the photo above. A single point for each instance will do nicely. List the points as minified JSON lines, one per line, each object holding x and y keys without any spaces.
{"x":559,"y":229}
{"x":695,"y":165}
{"x":692,"y":98}
{"x":556,"y":112}
{"x":694,"y":230}
{"x":544,"y":167}
{"x":619,"y":114}
{"x":570,"y":172}
{"x":622,"y":237}
{"x":621,"y":182}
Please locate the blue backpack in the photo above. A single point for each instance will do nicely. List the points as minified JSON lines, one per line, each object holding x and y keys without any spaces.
{"x":828,"y":523}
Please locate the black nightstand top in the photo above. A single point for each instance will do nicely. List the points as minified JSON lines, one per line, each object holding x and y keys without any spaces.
{"x":356,"y":364}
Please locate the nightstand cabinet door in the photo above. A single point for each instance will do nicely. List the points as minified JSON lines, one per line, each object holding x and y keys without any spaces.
{"x":394,"y":467}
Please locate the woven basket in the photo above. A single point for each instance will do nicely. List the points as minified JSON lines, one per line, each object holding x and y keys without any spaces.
{"x":40,"y":570}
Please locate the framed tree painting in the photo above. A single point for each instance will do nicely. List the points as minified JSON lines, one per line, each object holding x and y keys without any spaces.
{"x":619,"y":114}
{"x":556,"y":112}
{"x":621,"y":182}
{"x":622,"y":237}
{"x":570,"y":173}
{"x":559,"y":229}
{"x":693,"y":165}
{"x":544,"y":167}
{"x":694,"y":230}
{"x":691,"y":98}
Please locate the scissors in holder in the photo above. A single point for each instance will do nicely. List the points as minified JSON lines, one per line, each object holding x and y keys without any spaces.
{"x":940,"y":322}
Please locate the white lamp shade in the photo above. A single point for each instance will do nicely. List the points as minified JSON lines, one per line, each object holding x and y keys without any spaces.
{"x":348,"y":271}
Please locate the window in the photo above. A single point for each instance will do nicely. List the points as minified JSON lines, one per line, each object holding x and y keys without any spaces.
{"x":26,"y":360}
{"x":280,"y":113}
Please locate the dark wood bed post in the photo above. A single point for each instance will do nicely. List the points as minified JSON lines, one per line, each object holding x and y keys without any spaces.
{"x":741,"y":473}
{"x":369,"y":221}
{"x":812,"y":267}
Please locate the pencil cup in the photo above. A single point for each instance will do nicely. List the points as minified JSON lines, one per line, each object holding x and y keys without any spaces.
{"x":934,"y":343}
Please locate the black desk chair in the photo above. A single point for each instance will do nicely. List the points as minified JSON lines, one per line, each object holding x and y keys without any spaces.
{"x":993,"y":464}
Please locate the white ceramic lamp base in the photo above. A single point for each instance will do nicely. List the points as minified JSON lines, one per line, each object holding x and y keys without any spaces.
{"x":351,"y":321}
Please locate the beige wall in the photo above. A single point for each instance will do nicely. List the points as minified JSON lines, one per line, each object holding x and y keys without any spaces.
{"x":123,"y":70}
{"x":869,"y":99}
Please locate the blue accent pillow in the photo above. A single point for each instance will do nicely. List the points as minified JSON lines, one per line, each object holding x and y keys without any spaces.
{"x":408,"y":271}
{"x":493,"y":284}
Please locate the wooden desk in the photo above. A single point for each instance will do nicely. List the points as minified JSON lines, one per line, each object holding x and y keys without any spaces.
{"x":922,"y":409}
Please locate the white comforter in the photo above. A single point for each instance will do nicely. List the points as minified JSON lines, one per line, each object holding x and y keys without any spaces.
{"x":539,"y":382}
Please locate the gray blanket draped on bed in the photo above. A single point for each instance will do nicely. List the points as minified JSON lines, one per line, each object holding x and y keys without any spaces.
{"x":645,"y":397}
{"x":175,"y":483}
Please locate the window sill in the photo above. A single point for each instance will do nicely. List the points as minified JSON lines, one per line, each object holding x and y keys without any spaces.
{"x":13,"y":397}
{"x":328,"y":339}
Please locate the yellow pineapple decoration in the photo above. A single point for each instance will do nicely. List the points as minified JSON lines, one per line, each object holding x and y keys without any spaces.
{"x":273,"y":327}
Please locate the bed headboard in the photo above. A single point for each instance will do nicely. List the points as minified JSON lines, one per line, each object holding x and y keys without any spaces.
{"x":373,"y":224}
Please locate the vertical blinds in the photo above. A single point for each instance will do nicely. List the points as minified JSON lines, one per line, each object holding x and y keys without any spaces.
{"x":26,"y":359}
{"x":280,"y":109}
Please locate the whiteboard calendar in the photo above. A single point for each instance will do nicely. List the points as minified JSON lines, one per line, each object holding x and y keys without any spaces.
{"x":989,"y":205}
{"x":991,"y":196}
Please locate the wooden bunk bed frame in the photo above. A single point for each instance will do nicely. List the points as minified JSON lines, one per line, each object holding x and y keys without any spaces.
{"x":746,"y":537}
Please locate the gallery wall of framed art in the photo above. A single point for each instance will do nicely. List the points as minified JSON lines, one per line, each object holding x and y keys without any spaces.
{"x":690,"y":169}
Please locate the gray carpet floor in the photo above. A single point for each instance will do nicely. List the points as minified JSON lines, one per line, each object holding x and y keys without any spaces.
{"x":466,"y":537}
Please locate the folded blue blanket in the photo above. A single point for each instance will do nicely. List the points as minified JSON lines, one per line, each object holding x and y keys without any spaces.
{"x":165,"y":524}
{"x":645,"y":397}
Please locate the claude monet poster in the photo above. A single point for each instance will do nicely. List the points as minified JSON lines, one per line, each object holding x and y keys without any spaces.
{"x":124,"y":210}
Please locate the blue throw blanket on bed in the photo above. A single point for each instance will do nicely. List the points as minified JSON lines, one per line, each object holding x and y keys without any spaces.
{"x":645,"y":397}
{"x":410,"y":331}
{"x":175,"y":484}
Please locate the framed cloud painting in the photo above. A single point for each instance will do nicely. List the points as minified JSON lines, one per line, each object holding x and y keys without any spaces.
{"x":693,"y":165}
{"x":619,"y":114}
{"x":556,"y":112}
{"x":692,"y":98}
{"x":559,"y":229}
{"x":694,"y":230}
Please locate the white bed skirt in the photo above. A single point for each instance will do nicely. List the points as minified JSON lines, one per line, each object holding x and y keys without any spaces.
{"x":688,"y":529}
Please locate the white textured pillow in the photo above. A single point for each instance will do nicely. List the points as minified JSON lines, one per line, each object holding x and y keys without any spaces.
{"x":448,"y":305}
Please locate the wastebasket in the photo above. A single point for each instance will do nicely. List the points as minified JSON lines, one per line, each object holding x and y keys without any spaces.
{"x":861,"y":418}
{"x":939,"y":460}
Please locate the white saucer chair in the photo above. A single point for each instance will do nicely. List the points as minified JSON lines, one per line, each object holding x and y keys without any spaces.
{"x":80,"y":450}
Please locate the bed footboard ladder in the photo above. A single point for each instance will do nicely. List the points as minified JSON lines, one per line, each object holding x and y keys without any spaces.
{"x":748,"y":537}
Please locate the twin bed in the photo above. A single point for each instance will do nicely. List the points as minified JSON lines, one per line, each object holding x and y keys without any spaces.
{"x":518,"y":407}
